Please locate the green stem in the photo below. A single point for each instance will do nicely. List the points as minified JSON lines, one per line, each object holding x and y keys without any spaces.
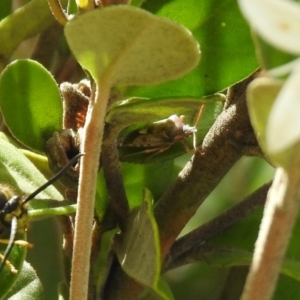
{"x":54,"y":211}
{"x":58,"y":12}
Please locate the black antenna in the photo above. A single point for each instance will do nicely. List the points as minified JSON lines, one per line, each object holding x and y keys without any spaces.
{"x":54,"y":178}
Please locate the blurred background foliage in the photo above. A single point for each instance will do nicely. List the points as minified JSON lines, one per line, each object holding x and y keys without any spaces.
{"x":197,"y":279}
{"x":228,"y":56}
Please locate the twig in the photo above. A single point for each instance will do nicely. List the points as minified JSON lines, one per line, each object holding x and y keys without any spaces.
{"x":47,"y":45}
{"x":113,"y":177}
{"x":221,"y":148}
{"x":58,"y":12}
{"x":182,"y":247}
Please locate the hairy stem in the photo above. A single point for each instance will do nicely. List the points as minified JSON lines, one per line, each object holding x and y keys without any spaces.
{"x":91,"y":146}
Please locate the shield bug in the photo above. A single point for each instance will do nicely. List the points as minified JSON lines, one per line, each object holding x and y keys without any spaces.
{"x":14,"y":214}
{"x":158,"y":137}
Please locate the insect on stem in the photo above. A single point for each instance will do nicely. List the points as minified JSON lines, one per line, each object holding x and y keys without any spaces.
{"x":159,"y":136}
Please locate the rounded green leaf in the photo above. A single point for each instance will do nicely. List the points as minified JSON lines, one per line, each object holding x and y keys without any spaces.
{"x":30,"y":102}
{"x":138,"y":251}
{"x":127,"y":45}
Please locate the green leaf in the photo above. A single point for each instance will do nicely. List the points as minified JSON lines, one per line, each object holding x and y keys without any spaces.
{"x":138,"y":251}
{"x":162,"y":293}
{"x":269,"y":56}
{"x":287,"y":288}
{"x":242,"y":235}
{"x":129,"y":46}
{"x":136,"y":110}
{"x":145,"y":111}
{"x":5,"y":8}
{"x":227,"y":51}
{"x":28,"y":285}
{"x":18,"y":172}
{"x":143,"y":177}
{"x":16,"y":258}
{"x":23,"y":23}
{"x":30,"y":102}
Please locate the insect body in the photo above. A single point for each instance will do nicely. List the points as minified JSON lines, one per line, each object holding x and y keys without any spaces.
{"x":160,"y":136}
{"x":14,"y":215}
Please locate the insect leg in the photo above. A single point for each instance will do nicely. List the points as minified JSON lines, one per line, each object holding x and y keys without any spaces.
{"x":13,"y":232}
{"x":186,"y":148}
{"x":154,"y":152}
{"x":158,"y":150}
{"x":196,"y":123}
{"x":8,"y":264}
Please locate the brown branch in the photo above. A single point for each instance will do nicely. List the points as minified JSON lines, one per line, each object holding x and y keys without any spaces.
{"x":180,"y":252}
{"x":221,"y":149}
{"x":47,"y":45}
{"x":113,"y":176}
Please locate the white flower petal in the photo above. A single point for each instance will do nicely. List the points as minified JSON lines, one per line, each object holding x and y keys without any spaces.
{"x":283,"y":127}
{"x":276,"y":21}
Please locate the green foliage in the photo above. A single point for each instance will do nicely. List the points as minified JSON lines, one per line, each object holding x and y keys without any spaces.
{"x":227,"y":51}
{"x":140,"y":49}
{"x":31,"y":120}
{"x":27,"y":285}
{"x":150,"y":66}
{"x":141,"y":263}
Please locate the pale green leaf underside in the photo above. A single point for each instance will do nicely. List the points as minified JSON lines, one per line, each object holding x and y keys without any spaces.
{"x":129,"y":46}
{"x":261,"y":95}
